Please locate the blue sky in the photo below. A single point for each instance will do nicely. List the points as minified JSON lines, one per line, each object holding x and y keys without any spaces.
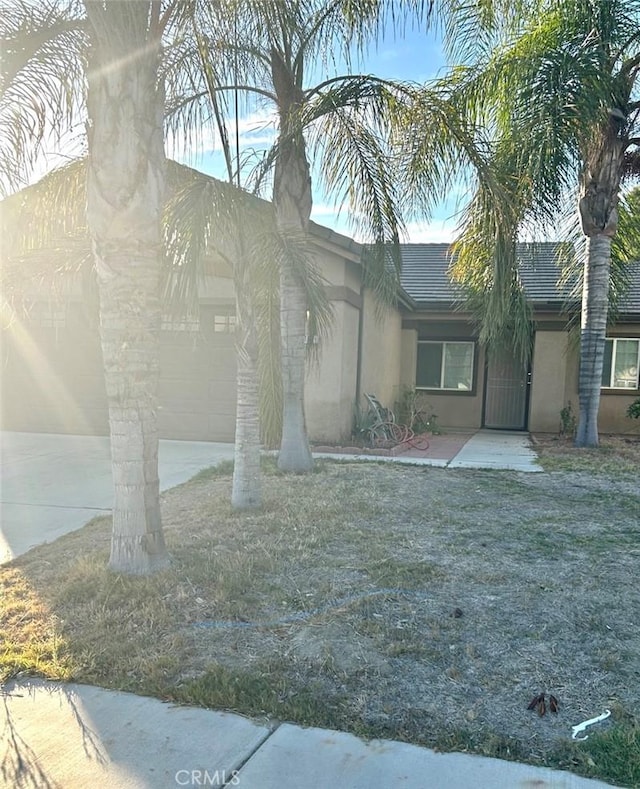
{"x":414,"y":55}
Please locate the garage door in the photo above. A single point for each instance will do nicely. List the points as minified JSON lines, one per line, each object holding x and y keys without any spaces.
{"x":52,"y":378}
{"x":198,"y":377}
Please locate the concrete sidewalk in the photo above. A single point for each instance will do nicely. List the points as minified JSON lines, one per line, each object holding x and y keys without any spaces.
{"x":75,"y":737}
{"x":497,"y":449}
{"x":491,"y":449}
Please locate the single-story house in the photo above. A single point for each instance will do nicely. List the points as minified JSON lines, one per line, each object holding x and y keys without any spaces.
{"x":52,"y":371}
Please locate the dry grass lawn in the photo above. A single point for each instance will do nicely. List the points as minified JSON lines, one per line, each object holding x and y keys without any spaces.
{"x":409,"y":602}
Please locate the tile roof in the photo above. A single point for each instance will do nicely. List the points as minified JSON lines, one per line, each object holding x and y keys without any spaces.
{"x":630,"y":301}
{"x":424,"y":276}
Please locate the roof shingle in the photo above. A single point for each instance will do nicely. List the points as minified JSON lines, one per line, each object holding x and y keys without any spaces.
{"x":425,"y":276}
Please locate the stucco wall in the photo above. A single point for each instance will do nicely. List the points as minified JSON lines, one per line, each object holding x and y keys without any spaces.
{"x":381,"y":352}
{"x":453,"y":410}
{"x":612,"y":416}
{"x":613,"y":404}
{"x":331,"y":384}
{"x":457,"y":411}
{"x":549,"y":393}
{"x":408,"y":358}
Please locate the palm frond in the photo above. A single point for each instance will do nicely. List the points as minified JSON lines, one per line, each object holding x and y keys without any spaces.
{"x":292,"y":250}
{"x":42,"y":84}
{"x":486,"y":265}
{"x":203,"y":220}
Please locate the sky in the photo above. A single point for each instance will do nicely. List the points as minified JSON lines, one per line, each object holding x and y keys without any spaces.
{"x":413,"y":55}
{"x":416,"y":56}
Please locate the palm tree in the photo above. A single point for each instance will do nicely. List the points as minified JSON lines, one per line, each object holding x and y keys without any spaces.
{"x":553,"y":85}
{"x":208,"y":219}
{"x":111,"y":51}
{"x":264,"y":49}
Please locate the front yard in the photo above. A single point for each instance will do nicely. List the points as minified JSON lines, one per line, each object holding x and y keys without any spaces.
{"x":421,"y":604}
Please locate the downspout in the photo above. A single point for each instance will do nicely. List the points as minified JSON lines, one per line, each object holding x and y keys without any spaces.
{"x":360,"y":342}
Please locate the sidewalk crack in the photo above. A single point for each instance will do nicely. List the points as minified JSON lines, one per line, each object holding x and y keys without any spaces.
{"x":235,"y":773}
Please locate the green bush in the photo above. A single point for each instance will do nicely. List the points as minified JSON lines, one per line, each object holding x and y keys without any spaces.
{"x":411,"y":410}
{"x":633,"y":412}
{"x":568,"y":421}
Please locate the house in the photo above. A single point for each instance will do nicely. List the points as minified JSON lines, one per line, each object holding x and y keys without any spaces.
{"x":52,"y":370}
{"x":476,"y":389}
{"x":429,"y":344}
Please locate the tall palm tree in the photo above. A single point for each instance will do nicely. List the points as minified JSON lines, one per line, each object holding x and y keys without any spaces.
{"x":125,"y":196}
{"x":112,"y":51}
{"x":207,"y":220}
{"x":553,"y":84}
{"x":266,"y":49}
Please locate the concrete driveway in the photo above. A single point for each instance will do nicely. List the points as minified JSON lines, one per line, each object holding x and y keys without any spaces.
{"x":52,"y":484}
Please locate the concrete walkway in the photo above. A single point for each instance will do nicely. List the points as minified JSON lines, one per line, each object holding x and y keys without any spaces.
{"x":498,"y":450}
{"x":484,"y":449}
{"x":76,"y":737}
{"x":57,"y":736}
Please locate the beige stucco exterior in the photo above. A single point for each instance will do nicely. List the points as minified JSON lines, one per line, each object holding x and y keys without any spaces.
{"x":57,"y":385}
{"x":331,"y":381}
{"x":454,"y":410}
{"x":555,"y":384}
{"x":330,"y":387}
{"x":381,"y":351}
{"x":549,"y":393}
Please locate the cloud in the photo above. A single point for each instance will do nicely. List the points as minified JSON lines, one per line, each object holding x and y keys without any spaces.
{"x":435,"y":232}
{"x":431,"y":232}
{"x":324,"y":210}
{"x":256,"y":129}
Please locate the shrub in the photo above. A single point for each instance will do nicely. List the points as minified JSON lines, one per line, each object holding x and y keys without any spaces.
{"x":633,"y":412}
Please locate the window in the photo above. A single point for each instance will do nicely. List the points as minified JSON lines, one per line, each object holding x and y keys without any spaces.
{"x":445,"y":365}
{"x":189,"y":323}
{"x":49,"y":315}
{"x":621,"y":363}
{"x":224,"y":323}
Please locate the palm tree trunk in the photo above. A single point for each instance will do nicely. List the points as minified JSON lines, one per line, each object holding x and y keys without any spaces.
{"x":125,"y":192}
{"x":292,"y":202}
{"x":592,"y":337}
{"x":599,"y":217}
{"x":295,"y":454}
{"x":246,"y":492}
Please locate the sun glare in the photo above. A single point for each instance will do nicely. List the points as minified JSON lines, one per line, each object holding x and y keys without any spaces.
{"x":55,"y":393}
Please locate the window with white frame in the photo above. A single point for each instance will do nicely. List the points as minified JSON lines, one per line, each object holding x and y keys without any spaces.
{"x":224,"y":323}
{"x":49,"y":315}
{"x":446,"y":365}
{"x":621,"y":363}
{"x":189,"y":323}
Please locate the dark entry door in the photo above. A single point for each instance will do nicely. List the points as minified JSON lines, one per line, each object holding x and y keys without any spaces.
{"x":505,"y":396}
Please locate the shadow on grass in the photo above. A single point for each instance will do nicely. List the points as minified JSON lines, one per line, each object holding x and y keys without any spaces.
{"x":318,"y":540}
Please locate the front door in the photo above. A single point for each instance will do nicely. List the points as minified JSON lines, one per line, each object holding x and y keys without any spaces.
{"x":505,"y":393}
